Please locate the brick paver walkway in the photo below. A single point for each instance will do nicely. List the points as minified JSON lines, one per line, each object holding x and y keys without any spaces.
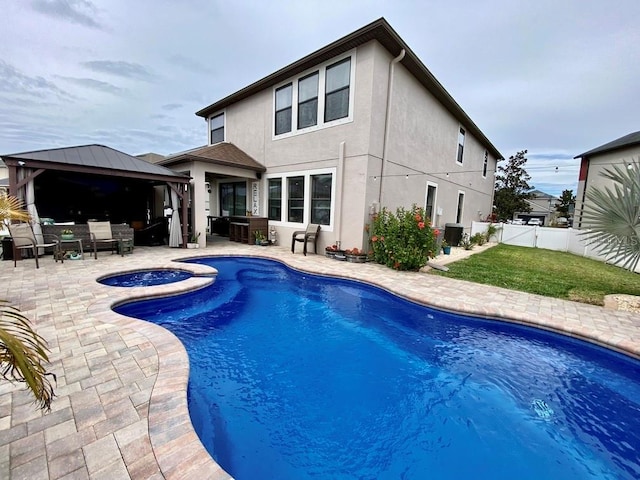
{"x":120,"y":410}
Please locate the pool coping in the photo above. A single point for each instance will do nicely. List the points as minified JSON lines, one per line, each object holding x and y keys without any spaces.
{"x":177,"y":448}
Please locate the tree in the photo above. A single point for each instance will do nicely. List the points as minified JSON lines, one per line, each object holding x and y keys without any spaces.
{"x":567,"y":199}
{"x":512,"y":187}
{"x":611,"y":217}
{"x":22,"y":351}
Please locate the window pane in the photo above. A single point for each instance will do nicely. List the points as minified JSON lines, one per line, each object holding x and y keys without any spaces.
{"x":460,"y":207}
{"x":283,"y":121}
{"x":321,"y":199}
{"x":338,"y":75}
{"x":308,"y":113}
{"x":217,"y":121}
{"x":217,"y":135}
{"x":296,"y":199}
{"x":275,"y":199}
{"x":460,"y":145}
{"x":485,"y":164}
{"x":308,"y":88}
{"x":217,"y":128}
{"x":337,"y":105}
{"x":283,"y":97}
{"x":431,"y":198}
{"x":233,"y":198}
{"x":283,"y":109}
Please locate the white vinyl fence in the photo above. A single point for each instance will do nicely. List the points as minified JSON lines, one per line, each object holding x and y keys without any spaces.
{"x":561,"y":239}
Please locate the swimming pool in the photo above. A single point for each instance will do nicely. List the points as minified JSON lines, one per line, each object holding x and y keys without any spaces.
{"x":145,"y":278}
{"x":295,"y":375}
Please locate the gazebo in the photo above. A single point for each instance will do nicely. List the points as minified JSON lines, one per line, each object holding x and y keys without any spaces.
{"x":95,"y":182}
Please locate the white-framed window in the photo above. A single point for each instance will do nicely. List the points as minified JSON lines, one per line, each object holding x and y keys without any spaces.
{"x":485,"y":164}
{"x":299,"y":198}
{"x":283,"y":108}
{"x":460,"y":145}
{"x":308,"y":101}
{"x":460,"y":206}
{"x":318,"y":98}
{"x":216,"y":127}
{"x":430,"y":201}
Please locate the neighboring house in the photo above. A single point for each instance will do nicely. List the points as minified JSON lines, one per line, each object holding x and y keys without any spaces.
{"x":332,"y":138}
{"x":543,"y":207}
{"x":621,"y":151}
{"x":4,"y":177}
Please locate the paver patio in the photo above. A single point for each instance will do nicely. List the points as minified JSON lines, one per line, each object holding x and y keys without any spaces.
{"x":120,"y":410}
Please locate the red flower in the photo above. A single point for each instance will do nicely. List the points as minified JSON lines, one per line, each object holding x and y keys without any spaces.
{"x":420,"y":225}
{"x":374,"y":239}
{"x":436,"y":232}
{"x":418,"y":217}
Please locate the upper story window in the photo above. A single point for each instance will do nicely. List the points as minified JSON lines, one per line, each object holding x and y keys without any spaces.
{"x":283,"y":109}
{"x":216,"y":124}
{"x":337,"y":90}
{"x":485,"y":165}
{"x":308,"y":101}
{"x":460,"y":145}
{"x":315,"y":99}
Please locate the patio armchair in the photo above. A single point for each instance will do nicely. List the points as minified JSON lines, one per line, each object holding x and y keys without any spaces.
{"x":305,"y":236}
{"x":24,"y":238}
{"x":100,"y":234}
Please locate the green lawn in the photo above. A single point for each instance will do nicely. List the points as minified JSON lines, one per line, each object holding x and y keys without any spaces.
{"x":545,"y":272}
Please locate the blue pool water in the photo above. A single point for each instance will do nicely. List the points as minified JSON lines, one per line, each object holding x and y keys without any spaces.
{"x":145,"y":278}
{"x":297,"y":376}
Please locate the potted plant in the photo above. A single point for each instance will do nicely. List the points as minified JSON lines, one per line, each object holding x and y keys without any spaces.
{"x":261,"y":238}
{"x":446,"y":248}
{"x":66,"y":234}
{"x":331,"y":250}
{"x":193,"y":240}
{"x":355,"y":255}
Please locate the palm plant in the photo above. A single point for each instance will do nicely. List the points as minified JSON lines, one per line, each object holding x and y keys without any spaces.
{"x":612,"y":216}
{"x":22,"y":351}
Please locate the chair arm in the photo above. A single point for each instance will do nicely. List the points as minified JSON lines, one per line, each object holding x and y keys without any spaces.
{"x":298,"y":232}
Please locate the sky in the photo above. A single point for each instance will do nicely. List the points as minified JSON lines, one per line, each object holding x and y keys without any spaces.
{"x":556,"y":78}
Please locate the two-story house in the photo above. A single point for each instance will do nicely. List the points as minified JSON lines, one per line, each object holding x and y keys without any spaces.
{"x":332,"y":138}
{"x":621,"y":151}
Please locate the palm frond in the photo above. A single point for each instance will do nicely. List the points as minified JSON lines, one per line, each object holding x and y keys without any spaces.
{"x":12,"y":208}
{"x":612,"y":216}
{"x":22,"y":355}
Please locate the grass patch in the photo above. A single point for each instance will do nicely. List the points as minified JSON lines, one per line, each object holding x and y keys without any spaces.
{"x":545,"y":272}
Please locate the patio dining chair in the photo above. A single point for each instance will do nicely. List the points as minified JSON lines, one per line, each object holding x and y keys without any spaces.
{"x":305,"y":236}
{"x":100,"y":234}
{"x":24,"y":239}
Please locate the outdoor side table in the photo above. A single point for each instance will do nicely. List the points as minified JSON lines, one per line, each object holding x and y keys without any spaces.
{"x":73,"y":240}
{"x":125,"y":245}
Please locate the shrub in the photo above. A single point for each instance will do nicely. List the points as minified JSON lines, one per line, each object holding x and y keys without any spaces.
{"x":465,"y":242}
{"x":404,"y":240}
{"x":478,"y":239}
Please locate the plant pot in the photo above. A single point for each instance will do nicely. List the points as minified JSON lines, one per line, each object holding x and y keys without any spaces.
{"x":264,"y":243}
{"x":446,"y":250}
{"x":66,"y":236}
{"x":330,"y":253}
{"x":356,"y":258}
{"x":193,"y":245}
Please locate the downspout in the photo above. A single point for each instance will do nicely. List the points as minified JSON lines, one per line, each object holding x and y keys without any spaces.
{"x":386,"y":122}
{"x":340,"y":194}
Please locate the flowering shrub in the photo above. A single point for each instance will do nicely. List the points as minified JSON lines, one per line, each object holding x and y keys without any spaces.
{"x":404,"y":240}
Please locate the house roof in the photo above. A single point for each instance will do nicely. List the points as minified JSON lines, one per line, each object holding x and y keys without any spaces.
{"x":96,"y":159}
{"x":622,"y":142}
{"x":381,"y":31}
{"x":224,"y":153}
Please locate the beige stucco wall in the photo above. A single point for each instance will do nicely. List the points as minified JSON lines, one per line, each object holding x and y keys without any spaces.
{"x":597,"y":164}
{"x":423,"y":140}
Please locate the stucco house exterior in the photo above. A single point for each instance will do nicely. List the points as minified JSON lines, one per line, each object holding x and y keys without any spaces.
{"x":332,"y":138}
{"x":621,"y":151}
